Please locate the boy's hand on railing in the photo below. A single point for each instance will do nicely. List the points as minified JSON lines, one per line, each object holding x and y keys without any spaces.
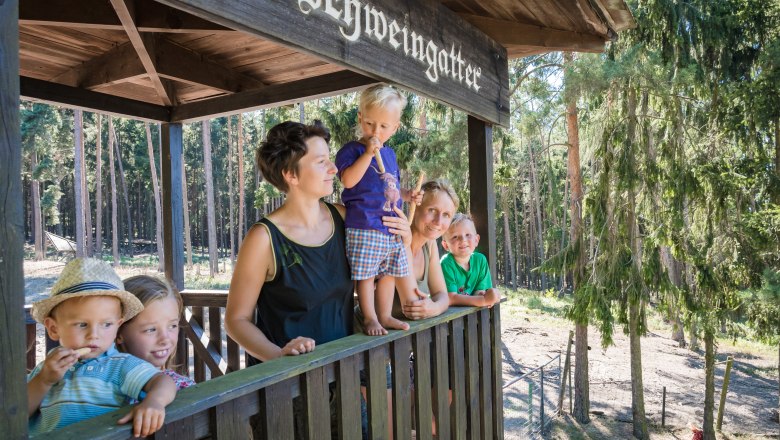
{"x":299,"y":345}
{"x":492,"y":297}
{"x":148,"y":417}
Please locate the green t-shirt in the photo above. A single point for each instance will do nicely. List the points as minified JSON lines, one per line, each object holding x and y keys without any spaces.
{"x":460,"y":280}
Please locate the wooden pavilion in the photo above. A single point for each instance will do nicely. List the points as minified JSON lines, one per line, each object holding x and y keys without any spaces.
{"x":176,"y":61}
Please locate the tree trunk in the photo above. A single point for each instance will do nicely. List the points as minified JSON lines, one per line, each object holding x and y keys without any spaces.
{"x":637,"y":384}
{"x":241,"y":182}
{"x":186,"y":204}
{"x":35,"y":193}
{"x":114,"y":222}
{"x":231,"y":206}
{"x":709,"y":385}
{"x":301,"y":113}
{"x":89,"y":245}
{"x":537,"y":204}
{"x":130,"y":232}
{"x":210,"y":217}
{"x":99,"y":187}
{"x":78,"y":171}
{"x":157,"y":203}
{"x":581,"y":381}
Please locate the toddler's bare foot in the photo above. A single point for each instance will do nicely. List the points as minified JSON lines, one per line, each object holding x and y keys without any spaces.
{"x":372,"y":327}
{"x":396,"y":324}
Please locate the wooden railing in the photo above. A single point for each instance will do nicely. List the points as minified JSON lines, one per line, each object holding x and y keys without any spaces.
{"x":460,"y":349}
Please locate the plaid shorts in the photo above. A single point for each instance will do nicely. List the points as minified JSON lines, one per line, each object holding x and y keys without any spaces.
{"x":373,"y":253}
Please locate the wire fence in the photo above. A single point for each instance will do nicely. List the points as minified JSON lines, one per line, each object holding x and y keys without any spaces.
{"x":531,"y":400}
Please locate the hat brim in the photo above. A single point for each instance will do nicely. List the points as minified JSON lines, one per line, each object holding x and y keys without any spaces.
{"x":131,"y":305}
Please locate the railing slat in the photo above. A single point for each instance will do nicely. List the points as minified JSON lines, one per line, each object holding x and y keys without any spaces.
{"x":349,"y":399}
{"x":457,"y":369}
{"x":183,"y":429}
{"x":422,"y":384}
{"x":32,"y":339}
{"x":229,"y":420}
{"x":276,"y":414}
{"x":215,"y":330}
{"x":472,"y":372}
{"x":316,"y":395}
{"x":498,"y":381}
{"x":402,"y":411}
{"x":233,"y":355}
{"x":195,"y":332}
{"x":441,"y":381}
{"x":485,"y":377}
{"x":377,"y":393}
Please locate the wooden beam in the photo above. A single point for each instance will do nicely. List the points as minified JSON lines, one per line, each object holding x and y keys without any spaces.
{"x":43,"y":91}
{"x":176,"y":62}
{"x":118,"y":65}
{"x":98,"y":14}
{"x":510,"y":33}
{"x":172,"y":61}
{"x":173,"y":205}
{"x":13,"y":405}
{"x":144,"y":45}
{"x":421,"y":44}
{"x":483,"y":197}
{"x":272,"y":96}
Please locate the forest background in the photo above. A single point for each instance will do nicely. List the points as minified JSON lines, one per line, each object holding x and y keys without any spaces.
{"x":646,"y":176}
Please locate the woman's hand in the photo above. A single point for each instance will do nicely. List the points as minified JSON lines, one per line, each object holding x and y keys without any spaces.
{"x":399,"y":225}
{"x":421,"y":308}
{"x":299,"y":345}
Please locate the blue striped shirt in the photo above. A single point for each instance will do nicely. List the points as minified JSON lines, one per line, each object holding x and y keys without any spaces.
{"x":90,"y":388}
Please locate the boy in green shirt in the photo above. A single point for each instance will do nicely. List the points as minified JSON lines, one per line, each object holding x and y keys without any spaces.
{"x":466,"y":272}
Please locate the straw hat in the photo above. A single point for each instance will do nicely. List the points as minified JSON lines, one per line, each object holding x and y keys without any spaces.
{"x":87,"y":277}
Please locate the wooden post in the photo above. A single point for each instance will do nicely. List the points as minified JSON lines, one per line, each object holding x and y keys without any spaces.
{"x":483,"y":199}
{"x":726,"y":378}
{"x":541,"y":399}
{"x":13,"y":405}
{"x":663,"y":409}
{"x":173,"y":217}
{"x":566,"y":367}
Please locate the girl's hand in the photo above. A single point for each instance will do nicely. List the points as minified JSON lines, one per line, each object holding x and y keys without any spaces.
{"x":56,"y":364}
{"x":399,"y":225}
{"x":299,"y":345}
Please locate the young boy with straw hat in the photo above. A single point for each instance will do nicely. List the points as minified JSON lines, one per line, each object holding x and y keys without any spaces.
{"x":86,"y":376}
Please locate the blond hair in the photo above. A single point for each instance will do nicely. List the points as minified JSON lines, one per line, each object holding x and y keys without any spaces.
{"x":148,"y":289}
{"x":460,"y":218}
{"x":431,"y":187}
{"x":379,"y":96}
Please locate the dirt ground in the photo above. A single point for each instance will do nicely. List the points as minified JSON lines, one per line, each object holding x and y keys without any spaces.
{"x":532,"y":337}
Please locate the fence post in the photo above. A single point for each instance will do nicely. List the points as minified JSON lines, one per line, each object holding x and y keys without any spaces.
{"x":663,"y":409}
{"x":530,"y":405}
{"x":726,"y":377}
{"x":566,"y":367}
{"x":541,"y":401}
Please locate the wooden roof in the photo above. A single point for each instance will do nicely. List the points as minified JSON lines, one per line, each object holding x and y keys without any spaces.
{"x":155,"y":54}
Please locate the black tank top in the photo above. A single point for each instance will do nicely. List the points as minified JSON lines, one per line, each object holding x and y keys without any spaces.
{"x":311,"y":293}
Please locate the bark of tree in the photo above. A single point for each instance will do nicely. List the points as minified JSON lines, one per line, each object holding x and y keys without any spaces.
{"x":157,"y":203}
{"x":35,"y":193}
{"x":232,"y":208}
{"x":187,"y":237}
{"x":581,"y":377}
{"x":538,"y":212}
{"x":210,"y":216}
{"x":88,"y":245}
{"x":709,"y":385}
{"x":241,"y":182}
{"x":114,"y":222}
{"x":130,"y":232}
{"x":99,"y":187}
{"x":635,"y":297}
{"x":78,"y":171}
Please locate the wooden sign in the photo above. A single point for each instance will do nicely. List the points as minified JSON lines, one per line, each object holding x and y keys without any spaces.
{"x":416,"y":44}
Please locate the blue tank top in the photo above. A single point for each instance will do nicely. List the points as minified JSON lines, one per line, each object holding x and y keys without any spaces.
{"x":311,"y":293}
